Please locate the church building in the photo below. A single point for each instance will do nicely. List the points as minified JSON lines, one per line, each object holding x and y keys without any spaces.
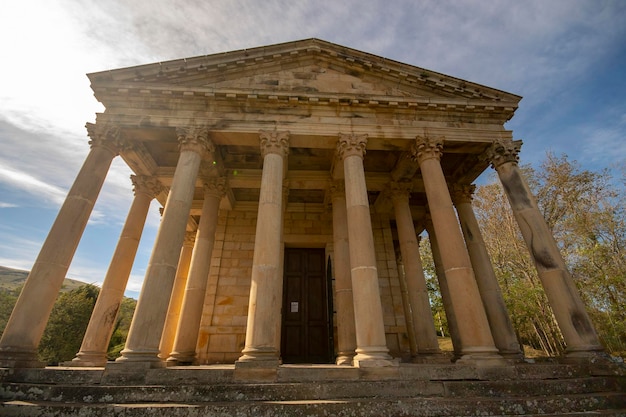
{"x":295,"y":180}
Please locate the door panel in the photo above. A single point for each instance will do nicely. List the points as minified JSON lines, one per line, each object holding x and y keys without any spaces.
{"x":305,"y":308}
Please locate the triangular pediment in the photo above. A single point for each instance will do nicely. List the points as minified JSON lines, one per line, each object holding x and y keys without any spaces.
{"x":304,"y":67}
{"x":321,"y":77}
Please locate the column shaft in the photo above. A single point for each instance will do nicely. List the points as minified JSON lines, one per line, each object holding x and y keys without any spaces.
{"x":476,"y":340}
{"x":368,"y":313}
{"x":262,"y":346}
{"x":146,"y":329}
{"x":501,"y":327}
{"x":346,"y":333}
{"x":23,"y":332}
{"x":425,"y":334}
{"x":98,"y":334}
{"x":446,"y":299}
{"x":569,"y":309}
{"x":406,"y":307}
{"x":184,"y":351}
{"x":176,"y":300}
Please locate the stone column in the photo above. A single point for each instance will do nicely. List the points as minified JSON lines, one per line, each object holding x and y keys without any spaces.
{"x":476,"y":340}
{"x":346,"y":333}
{"x":98,"y":335}
{"x":406,"y":306}
{"x":368,"y":313}
{"x":501,"y":327}
{"x":569,"y":310}
{"x":176,"y":300}
{"x":184,"y":351}
{"x":142,"y":344}
{"x":23,"y":332}
{"x":264,"y":311}
{"x":422,"y":317}
{"x":453,"y":326}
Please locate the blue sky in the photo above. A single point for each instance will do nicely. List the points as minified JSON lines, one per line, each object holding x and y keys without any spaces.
{"x":567,"y":58}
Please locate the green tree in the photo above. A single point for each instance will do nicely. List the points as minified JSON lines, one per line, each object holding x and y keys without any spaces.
{"x":8,"y":298}
{"x":67,"y":324}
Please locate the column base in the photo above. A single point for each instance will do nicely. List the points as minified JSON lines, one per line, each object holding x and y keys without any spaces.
{"x":19,"y":358}
{"x":258,"y":358}
{"x":512,"y":356}
{"x":344,"y":360}
{"x":140,"y":359}
{"x":587,"y":354}
{"x":481,"y":356}
{"x":374,"y":357}
{"x":88,"y":359}
{"x":257,"y":364}
{"x":181,"y":359}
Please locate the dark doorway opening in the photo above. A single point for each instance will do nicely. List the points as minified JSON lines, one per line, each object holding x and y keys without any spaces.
{"x":305,"y":327}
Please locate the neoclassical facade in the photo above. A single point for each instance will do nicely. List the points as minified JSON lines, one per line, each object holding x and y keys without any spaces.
{"x":295,"y":180}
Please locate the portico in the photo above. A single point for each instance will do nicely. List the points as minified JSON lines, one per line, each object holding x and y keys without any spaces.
{"x":306,"y":145}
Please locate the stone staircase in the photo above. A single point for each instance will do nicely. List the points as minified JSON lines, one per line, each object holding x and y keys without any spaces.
{"x":548,"y":389}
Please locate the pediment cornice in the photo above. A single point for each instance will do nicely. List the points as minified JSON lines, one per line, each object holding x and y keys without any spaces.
{"x":206,"y":75}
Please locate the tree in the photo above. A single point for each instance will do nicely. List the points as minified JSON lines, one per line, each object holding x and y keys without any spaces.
{"x":8,"y":298}
{"x":67,"y":324}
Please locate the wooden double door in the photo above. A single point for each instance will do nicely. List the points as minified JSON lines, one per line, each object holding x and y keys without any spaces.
{"x":307,"y":308}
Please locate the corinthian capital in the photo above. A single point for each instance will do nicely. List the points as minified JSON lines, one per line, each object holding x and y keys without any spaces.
{"x":462,"y":193}
{"x":351,"y":145}
{"x":216,"y":186}
{"x":147,"y":185}
{"x":194,"y":138}
{"x":426,"y":147}
{"x":107,"y":135}
{"x":502,"y":151}
{"x":337,"y":189}
{"x":273,"y":141}
{"x":400,"y":191}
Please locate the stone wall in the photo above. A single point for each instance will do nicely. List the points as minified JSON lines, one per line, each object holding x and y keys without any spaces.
{"x":222,"y":330}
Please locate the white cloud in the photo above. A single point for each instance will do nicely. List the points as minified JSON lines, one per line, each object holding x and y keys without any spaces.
{"x":28,"y":183}
{"x":18,"y":252}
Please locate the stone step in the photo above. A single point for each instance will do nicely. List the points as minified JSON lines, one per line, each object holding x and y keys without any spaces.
{"x":605,"y":404}
{"x":225,"y":374}
{"x":329,"y":390}
{"x":311,"y":390}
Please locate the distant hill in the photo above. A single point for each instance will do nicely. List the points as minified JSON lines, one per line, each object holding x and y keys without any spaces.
{"x":11,"y":279}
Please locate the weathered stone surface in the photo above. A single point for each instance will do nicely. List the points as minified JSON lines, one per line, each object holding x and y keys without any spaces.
{"x":325,"y":391}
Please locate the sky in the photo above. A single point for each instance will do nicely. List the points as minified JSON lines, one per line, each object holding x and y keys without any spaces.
{"x":567,"y":58}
